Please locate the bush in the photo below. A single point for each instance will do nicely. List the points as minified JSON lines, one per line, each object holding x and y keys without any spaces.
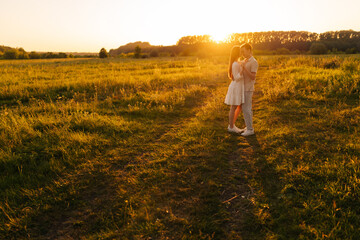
{"x":318,"y":48}
{"x":128,"y":55}
{"x":335,"y":51}
{"x":351,"y":51}
{"x":103,"y":53}
{"x":350,"y":66}
{"x":137,"y":53}
{"x":283,"y":51}
{"x":331,"y":63}
{"x":154,"y":53}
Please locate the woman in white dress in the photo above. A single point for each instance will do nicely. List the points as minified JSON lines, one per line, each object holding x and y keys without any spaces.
{"x":235,"y":94}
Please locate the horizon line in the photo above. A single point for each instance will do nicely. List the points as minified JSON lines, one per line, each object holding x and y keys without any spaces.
{"x":160,"y":45}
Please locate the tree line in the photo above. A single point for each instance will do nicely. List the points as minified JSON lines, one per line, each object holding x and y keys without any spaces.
{"x":338,"y":41}
{"x":20,"y":53}
{"x":264,"y":43}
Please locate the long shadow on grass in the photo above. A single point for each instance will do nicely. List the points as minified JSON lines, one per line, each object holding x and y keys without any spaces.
{"x":265,"y":186}
{"x":265,"y":171}
{"x":241,"y":189}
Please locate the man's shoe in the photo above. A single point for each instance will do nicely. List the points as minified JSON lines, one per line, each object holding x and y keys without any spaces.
{"x":248,"y":133}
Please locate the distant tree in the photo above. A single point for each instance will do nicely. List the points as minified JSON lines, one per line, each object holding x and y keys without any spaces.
{"x":103,"y":53}
{"x":318,"y":48}
{"x":11,"y":54}
{"x":34,"y":55}
{"x":197,"y":39}
{"x":62,"y":55}
{"x":48,"y":55}
{"x":22,"y":54}
{"x":137,"y":52}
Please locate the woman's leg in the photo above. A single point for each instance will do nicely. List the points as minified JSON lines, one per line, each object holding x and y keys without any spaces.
{"x":237,"y":112}
{"x":231,"y":115}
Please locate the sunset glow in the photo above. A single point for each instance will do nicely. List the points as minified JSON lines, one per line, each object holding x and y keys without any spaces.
{"x":219,"y":37}
{"x":88,"y":25}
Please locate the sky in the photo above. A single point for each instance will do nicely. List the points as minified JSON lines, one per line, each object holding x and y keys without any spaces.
{"x":89,"y":25}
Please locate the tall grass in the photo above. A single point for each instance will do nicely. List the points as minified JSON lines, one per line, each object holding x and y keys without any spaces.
{"x":308,"y":120}
{"x":59,"y":115}
{"x":137,"y":149}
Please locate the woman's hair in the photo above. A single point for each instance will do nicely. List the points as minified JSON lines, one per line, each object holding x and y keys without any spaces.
{"x":234,"y":56}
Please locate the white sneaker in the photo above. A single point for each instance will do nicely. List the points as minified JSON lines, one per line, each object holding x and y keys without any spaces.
{"x":234,"y":129}
{"x":241,"y":129}
{"x":248,"y":133}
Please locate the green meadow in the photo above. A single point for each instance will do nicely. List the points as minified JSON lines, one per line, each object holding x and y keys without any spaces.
{"x":139,"y":149}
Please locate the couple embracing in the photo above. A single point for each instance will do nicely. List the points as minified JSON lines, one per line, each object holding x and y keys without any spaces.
{"x":241,"y":89}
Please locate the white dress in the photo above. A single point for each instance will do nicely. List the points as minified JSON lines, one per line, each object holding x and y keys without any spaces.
{"x":235,"y":94}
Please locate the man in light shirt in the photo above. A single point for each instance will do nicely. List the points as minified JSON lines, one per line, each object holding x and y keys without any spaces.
{"x":249,"y":70}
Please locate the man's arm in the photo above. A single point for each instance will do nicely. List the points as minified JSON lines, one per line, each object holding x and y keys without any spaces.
{"x":252,"y":75}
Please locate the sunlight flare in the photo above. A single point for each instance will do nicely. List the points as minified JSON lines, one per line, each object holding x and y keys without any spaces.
{"x":218,"y":37}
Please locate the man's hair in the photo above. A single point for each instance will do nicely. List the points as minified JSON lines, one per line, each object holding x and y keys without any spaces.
{"x":247,"y":46}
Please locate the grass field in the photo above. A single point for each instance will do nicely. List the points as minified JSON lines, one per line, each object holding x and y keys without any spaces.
{"x":138,"y":149}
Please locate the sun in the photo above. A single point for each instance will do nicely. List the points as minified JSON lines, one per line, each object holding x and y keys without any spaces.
{"x":218,"y":37}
